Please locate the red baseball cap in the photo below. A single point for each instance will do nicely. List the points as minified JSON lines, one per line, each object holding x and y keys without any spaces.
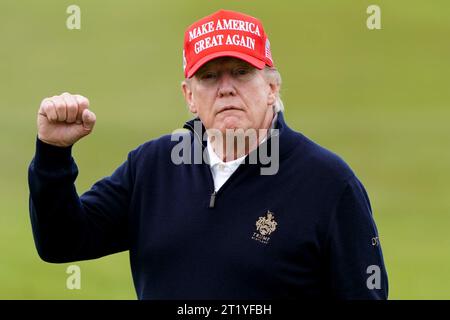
{"x":225,"y":34}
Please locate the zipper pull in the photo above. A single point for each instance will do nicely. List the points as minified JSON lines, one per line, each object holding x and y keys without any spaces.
{"x":212,"y":200}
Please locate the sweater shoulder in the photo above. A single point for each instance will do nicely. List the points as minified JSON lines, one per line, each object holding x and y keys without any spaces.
{"x":159,"y":148}
{"x":162,"y":142}
{"x":323,"y":161}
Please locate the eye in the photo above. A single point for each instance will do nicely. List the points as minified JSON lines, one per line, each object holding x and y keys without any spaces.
{"x":242,"y":71}
{"x":208,"y":76}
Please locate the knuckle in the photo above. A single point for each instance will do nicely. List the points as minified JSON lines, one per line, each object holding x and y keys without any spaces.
{"x":82,"y":101}
{"x":69,"y":100}
{"x":56,"y":102}
{"x":71,"y":106}
{"x":45,"y":102}
{"x":44,"y":107}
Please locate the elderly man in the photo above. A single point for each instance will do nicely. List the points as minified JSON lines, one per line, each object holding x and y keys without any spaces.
{"x":219,"y":228}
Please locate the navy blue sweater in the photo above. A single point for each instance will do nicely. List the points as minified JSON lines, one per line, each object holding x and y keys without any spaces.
{"x":305,"y":232}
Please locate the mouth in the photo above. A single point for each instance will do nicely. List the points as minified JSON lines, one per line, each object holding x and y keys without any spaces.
{"x":228,"y":108}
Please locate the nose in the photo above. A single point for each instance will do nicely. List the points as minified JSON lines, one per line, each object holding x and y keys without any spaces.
{"x":226,"y":86}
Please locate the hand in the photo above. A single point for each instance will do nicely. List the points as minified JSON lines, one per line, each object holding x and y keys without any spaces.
{"x":63,"y":120}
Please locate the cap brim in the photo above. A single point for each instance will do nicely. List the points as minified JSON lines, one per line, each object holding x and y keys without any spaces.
{"x":252,"y":60}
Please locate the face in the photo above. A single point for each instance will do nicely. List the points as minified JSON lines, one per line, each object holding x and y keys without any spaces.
{"x":229,"y":93}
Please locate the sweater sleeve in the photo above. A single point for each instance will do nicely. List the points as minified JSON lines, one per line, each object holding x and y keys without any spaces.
{"x":356,"y":267}
{"x":67,"y":227}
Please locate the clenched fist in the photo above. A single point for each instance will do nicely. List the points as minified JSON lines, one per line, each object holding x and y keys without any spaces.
{"x":64,"y":119}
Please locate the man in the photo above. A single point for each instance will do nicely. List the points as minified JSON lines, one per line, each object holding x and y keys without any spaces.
{"x":222,"y":228}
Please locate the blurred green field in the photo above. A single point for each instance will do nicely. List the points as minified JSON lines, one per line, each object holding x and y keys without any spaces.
{"x":380,"y":99}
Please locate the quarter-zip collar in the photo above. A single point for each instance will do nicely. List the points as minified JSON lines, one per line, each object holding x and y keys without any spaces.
{"x":285,"y":134}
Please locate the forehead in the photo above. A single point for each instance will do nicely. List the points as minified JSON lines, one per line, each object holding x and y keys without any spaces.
{"x":224,"y":62}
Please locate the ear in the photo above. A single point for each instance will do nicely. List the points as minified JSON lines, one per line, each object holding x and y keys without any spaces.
{"x":273,"y":93}
{"x":188,"y":95}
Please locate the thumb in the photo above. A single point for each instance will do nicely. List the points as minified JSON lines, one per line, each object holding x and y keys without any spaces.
{"x":88,"y":118}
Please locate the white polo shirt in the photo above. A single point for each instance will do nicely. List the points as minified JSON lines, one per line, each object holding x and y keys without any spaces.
{"x":222,"y":171}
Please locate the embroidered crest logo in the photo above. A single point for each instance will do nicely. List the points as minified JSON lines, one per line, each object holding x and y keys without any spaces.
{"x":265,"y":226}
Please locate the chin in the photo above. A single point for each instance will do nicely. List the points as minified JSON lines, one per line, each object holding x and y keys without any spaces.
{"x":232,"y":123}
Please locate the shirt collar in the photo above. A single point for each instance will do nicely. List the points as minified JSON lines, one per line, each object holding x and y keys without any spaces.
{"x":215,"y":160}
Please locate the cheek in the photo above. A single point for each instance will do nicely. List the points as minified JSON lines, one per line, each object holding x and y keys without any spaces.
{"x":201,"y":100}
{"x":204,"y":102}
{"x":257,"y":100}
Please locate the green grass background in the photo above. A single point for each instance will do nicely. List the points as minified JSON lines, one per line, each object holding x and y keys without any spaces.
{"x":380,"y":99}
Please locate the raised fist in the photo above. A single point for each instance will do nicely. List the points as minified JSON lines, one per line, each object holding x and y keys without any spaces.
{"x":63,"y":120}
